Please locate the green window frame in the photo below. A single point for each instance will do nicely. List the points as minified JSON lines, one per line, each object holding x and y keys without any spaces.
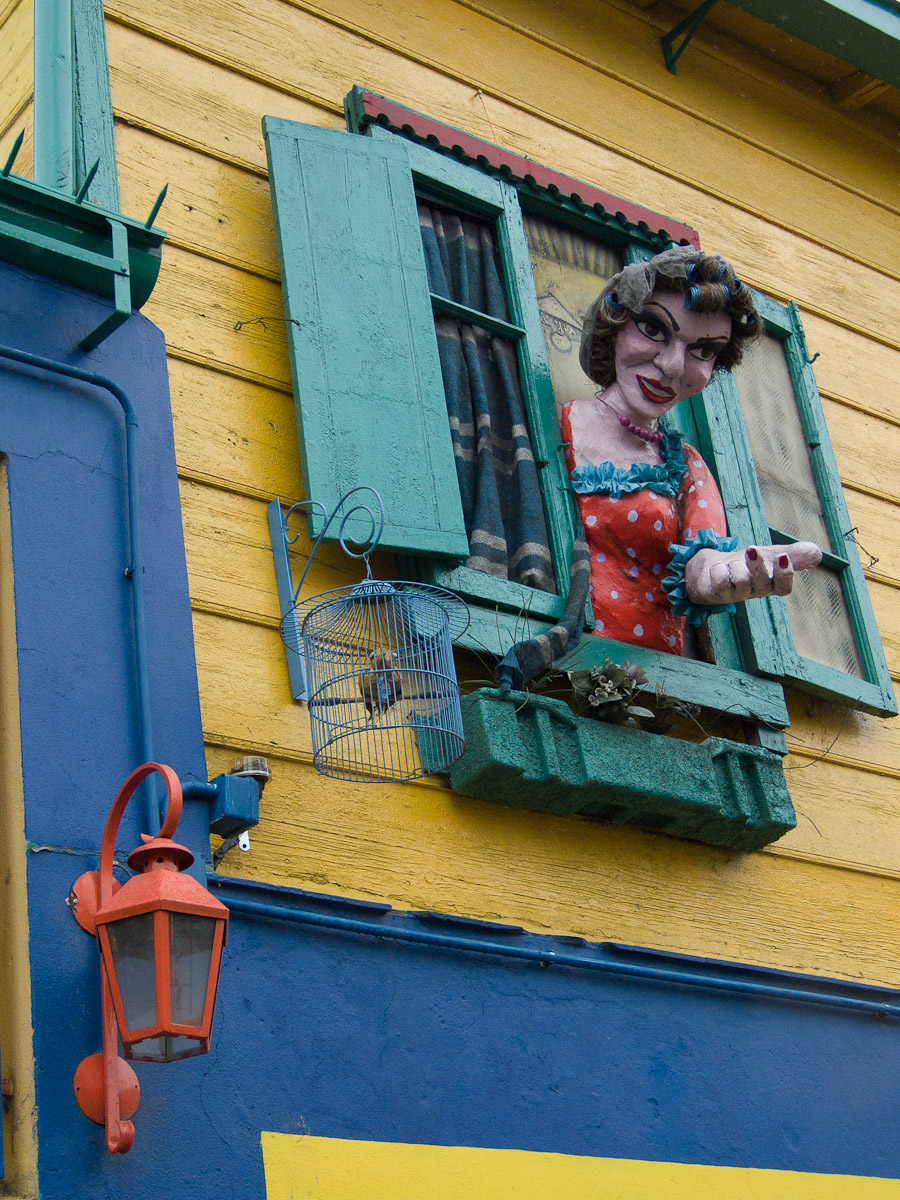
{"x":764,"y":627}
{"x":470,"y":190}
{"x":311,"y":178}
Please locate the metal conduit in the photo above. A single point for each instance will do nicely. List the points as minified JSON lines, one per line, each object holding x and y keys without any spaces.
{"x":135,"y":567}
{"x":562,"y":958}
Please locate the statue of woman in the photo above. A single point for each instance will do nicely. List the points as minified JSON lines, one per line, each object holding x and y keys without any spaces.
{"x":652,"y":513}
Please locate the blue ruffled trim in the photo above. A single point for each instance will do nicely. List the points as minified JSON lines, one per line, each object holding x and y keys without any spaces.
{"x":674,"y":586}
{"x":663,"y":478}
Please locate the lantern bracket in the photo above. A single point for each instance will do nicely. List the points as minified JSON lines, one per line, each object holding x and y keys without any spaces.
{"x":105,"y":1086}
{"x":288,"y":592}
{"x":233,"y":801}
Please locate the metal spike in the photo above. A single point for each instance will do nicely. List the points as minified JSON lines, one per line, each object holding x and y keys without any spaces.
{"x":156,"y":207}
{"x":88,"y":180}
{"x":17,"y":146}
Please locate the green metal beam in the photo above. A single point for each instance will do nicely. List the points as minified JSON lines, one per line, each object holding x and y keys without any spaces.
{"x":94,"y":140}
{"x":863,"y":33}
{"x":73,"y":110}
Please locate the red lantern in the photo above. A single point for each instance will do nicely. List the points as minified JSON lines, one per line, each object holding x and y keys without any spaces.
{"x":161,"y":937}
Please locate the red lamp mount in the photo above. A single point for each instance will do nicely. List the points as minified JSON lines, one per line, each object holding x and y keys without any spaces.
{"x":160,"y":937}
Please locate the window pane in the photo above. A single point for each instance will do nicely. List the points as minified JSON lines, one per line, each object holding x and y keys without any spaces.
{"x":569,"y":273}
{"x":132,"y":945}
{"x":190,"y":953}
{"x":496,"y":469}
{"x":820,"y":623}
{"x":462,"y":260}
{"x":779,"y":446}
{"x":818,"y":611}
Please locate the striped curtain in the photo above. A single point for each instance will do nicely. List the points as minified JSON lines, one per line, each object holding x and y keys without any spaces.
{"x":498,"y":478}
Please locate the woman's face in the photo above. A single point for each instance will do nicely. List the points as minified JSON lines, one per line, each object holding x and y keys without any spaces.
{"x":666,"y":353}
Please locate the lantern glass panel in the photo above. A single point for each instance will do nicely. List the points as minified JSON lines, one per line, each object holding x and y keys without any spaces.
{"x":166,"y":1049}
{"x":131,"y":942}
{"x":191,"y":946}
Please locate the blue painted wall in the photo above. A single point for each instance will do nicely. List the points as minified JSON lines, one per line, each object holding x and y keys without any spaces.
{"x":350,"y":1036}
{"x":335,"y":1034}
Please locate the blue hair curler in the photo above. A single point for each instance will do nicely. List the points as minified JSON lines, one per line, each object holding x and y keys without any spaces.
{"x":692,"y":297}
{"x":721,"y":271}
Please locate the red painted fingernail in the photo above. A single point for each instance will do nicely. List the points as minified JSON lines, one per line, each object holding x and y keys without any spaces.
{"x":783,"y":561}
{"x":752,"y":553}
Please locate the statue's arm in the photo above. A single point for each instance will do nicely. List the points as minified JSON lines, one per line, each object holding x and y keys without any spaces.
{"x":721,"y":577}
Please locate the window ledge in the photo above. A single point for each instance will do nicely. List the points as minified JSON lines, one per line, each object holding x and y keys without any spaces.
{"x":533,"y":752}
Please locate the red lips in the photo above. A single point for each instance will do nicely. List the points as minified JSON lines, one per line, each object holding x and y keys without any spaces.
{"x":654,"y":391}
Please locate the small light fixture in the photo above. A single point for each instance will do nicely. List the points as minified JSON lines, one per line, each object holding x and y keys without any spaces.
{"x":160,"y":937}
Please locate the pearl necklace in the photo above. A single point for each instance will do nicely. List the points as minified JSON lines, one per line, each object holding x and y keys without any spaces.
{"x":650,"y":436}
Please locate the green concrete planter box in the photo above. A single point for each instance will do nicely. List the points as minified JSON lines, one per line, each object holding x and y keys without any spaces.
{"x":533,"y":752}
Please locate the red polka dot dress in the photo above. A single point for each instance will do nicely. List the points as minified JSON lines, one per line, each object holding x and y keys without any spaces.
{"x":631,"y":518}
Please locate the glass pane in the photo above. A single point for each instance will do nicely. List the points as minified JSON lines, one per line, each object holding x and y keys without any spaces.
{"x":569,"y":273}
{"x":166,"y":1049}
{"x":131,"y":941}
{"x":820,"y":623}
{"x":462,"y":259}
{"x":780,"y":452}
{"x":498,"y":476}
{"x":817,"y":609}
{"x":191,"y":943}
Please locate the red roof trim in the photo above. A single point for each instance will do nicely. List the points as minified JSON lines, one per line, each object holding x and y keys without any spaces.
{"x":524,"y":168}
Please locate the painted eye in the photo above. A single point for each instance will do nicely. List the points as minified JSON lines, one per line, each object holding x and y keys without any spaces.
{"x":705,"y":353}
{"x":649,"y":327}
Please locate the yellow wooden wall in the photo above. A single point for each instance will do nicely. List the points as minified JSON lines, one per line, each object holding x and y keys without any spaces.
{"x":17,"y":81}
{"x":800,"y":196}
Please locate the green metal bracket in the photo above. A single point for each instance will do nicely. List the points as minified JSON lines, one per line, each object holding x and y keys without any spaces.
{"x":79,"y":243}
{"x":121,"y":289}
{"x":688,"y":27}
{"x":13,"y":154}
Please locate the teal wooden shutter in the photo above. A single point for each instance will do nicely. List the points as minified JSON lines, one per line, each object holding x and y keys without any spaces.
{"x":796,"y":648}
{"x":367,"y":382}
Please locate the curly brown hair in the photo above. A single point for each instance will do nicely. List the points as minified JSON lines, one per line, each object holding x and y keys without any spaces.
{"x":709,"y":286}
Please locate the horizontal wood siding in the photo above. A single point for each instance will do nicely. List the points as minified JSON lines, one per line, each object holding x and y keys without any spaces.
{"x":801,"y":197}
{"x":17,"y":82}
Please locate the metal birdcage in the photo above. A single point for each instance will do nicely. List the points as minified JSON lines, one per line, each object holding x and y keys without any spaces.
{"x":375,"y":662}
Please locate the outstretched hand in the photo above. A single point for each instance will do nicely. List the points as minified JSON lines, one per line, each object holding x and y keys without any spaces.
{"x":723,"y":577}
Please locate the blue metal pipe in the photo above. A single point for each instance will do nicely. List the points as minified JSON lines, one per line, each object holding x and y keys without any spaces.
{"x":194,"y":790}
{"x":562,"y":958}
{"x":135,"y":568}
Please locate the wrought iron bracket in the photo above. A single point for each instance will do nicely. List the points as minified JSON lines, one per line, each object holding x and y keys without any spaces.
{"x":288,"y":592}
{"x":285,"y":582}
{"x":687,"y":27}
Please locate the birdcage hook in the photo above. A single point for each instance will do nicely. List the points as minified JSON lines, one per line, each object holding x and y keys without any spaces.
{"x":369,"y":542}
{"x":373,"y":660}
{"x":282,"y":538}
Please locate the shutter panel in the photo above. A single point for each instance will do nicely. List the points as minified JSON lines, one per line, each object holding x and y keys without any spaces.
{"x":367,"y":382}
{"x":823,"y":638}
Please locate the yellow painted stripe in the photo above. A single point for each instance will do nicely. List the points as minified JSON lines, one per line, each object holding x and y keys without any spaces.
{"x":314,"y":1168}
{"x":19,"y":1114}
